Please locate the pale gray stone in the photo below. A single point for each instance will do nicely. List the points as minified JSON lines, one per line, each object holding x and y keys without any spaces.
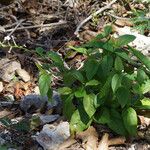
{"x":23,"y":74}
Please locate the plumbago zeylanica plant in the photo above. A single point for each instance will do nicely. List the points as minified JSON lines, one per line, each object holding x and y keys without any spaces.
{"x":108,"y":89}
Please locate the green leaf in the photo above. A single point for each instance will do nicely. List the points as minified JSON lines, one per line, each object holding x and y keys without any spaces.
{"x":144,"y":59}
{"x":80,"y":92}
{"x":102,"y":116}
{"x":115,"y":113}
{"x":79,"y":49}
{"x":76,"y":123}
{"x":117,"y":126}
{"x":107,"y":31}
{"x":88,"y":103}
{"x":130,"y":120}
{"x":92,"y":83}
{"x":116,"y":82}
{"x":68,"y":78}
{"x":116,"y":123}
{"x":109,"y":46}
{"x":141,"y":76}
{"x":91,"y":67}
{"x":145,"y":88}
{"x":105,"y":89}
{"x":124,"y":40}
{"x":123,"y":55}
{"x":143,"y":104}
{"x":123,"y":96}
{"x":68,"y":107}
{"x":64,"y":90}
{"x":55,"y":57}
{"x":107,"y":64}
{"x":3,"y":147}
{"x":78,"y":75}
{"x":40,"y":51}
{"x":44,"y":83}
{"x":118,"y":64}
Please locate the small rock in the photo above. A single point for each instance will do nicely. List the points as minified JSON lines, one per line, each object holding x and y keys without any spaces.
{"x":48,"y":118}
{"x":7,"y":69}
{"x":52,"y":136}
{"x":141,"y":43}
{"x":1,"y":86}
{"x":37,"y":102}
{"x":23,"y":74}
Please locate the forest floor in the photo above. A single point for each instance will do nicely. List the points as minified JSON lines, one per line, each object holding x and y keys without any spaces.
{"x":53,"y":25}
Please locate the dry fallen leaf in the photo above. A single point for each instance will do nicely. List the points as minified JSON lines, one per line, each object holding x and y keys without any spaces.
{"x":104,"y":143}
{"x":70,"y":141}
{"x":144,"y":120}
{"x":117,"y":141}
{"x":89,"y":138}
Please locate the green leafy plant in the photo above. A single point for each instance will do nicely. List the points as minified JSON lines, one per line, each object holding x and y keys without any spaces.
{"x":140,"y":21}
{"x":108,"y":88}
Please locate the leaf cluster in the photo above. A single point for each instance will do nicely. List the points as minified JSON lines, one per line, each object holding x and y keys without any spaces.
{"x":110,"y":86}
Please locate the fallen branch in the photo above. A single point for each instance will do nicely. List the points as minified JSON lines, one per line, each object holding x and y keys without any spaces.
{"x":90,"y":17}
{"x":38,"y":26}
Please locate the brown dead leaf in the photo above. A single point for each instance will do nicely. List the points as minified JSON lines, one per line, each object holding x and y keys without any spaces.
{"x":18,"y":91}
{"x":70,"y":141}
{"x":104,"y":143}
{"x":144,"y":120}
{"x":117,"y":141}
{"x":89,"y":138}
{"x":122,"y":23}
{"x":5,"y":113}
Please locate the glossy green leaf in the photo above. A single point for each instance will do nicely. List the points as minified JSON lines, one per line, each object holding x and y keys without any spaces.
{"x":44,"y":83}
{"x":79,"y":49}
{"x":123,"y":55}
{"x":144,"y":59}
{"x":55,"y":57}
{"x":92,"y":83}
{"x":116,"y":123}
{"x":107,"y":64}
{"x":130,"y":120}
{"x":123,"y":96}
{"x":40,"y":51}
{"x":141,"y":76}
{"x":119,"y":64}
{"x":143,"y":104}
{"x":102,"y":116}
{"x":64,"y":90}
{"x":116,"y":82}
{"x":91,"y":67}
{"x":106,"y":88}
{"x":145,"y":87}
{"x":78,"y":75}
{"x":117,"y":126}
{"x":80,"y":92}
{"x":68,"y":107}
{"x":107,"y":31}
{"x":76,"y":123}
{"x":124,"y":40}
{"x":88,"y":103}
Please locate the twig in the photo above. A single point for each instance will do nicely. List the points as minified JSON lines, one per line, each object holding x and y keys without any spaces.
{"x":117,"y":17}
{"x":90,"y":17}
{"x":13,"y":30}
{"x":38,"y":26}
{"x":123,"y":18}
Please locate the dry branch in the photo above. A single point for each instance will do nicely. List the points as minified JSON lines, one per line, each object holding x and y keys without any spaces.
{"x":94,"y":14}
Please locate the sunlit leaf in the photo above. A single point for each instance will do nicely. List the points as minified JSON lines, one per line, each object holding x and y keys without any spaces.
{"x":130,"y":120}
